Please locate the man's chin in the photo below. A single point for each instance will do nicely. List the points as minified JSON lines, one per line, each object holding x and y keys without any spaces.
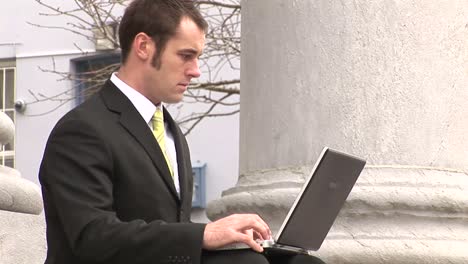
{"x":174,"y":99}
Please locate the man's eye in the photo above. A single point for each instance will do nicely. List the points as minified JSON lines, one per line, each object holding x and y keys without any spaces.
{"x":186,"y":56}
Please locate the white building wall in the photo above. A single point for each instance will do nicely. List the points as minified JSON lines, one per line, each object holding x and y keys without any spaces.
{"x":214,"y":142}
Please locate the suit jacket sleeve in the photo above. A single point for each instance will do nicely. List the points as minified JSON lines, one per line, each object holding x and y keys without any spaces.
{"x":77,"y":180}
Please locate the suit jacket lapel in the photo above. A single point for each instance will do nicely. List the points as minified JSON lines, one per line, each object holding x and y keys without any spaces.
{"x":132,"y":121}
{"x":182,"y":155}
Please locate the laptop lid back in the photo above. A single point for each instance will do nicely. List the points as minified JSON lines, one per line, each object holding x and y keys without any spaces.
{"x":318,"y":204}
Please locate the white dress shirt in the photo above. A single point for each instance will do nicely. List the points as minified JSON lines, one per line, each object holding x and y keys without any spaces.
{"x":147,"y":109}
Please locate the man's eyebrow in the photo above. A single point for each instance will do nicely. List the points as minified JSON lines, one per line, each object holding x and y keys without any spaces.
{"x":191,"y":51}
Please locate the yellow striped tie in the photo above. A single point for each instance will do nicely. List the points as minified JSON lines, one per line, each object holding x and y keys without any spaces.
{"x":160,"y":135}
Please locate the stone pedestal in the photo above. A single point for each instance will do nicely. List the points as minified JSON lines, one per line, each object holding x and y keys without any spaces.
{"x":22,"y":229}
{"x":386,"y":81}
{"x":22,"y":238}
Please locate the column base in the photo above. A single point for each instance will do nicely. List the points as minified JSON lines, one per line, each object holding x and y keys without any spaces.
{"x":393,"y":215}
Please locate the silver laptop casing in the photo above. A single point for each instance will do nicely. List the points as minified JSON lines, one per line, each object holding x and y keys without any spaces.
{"x":317,"y":205}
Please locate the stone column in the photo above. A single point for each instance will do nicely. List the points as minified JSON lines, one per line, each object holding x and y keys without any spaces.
{"x":384,"y":80}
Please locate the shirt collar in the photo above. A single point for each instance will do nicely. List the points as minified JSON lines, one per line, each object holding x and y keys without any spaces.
{"x":143,"y":105}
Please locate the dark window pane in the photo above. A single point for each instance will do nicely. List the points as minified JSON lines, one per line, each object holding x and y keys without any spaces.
{"x":10,"y":162}
{"x":9,"y":88}
{"x":11,"y":114}
{"x":2,"y":81}
{"x":9,"y":146}
{"x":92,"y":72}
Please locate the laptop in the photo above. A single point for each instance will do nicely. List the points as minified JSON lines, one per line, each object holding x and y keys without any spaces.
{"x":317,"y":205}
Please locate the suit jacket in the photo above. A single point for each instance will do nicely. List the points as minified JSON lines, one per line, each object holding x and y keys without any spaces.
{"x":108,"y":193}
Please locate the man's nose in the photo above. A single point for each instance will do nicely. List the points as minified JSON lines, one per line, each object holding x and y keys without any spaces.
{"x":194,"y":70}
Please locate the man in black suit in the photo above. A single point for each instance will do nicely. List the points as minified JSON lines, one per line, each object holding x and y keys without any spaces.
{"x":112,"y":193}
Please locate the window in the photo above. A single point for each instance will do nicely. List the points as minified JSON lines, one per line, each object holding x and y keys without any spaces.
{"x":7,"y":105}
{"x":92,"y":71}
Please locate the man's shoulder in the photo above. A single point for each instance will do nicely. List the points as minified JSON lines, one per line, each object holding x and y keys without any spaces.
{"x":90,"y":108}
{"x":91,"y":113}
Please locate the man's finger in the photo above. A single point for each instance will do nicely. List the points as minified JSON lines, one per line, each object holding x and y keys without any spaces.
{"x":268,"y":231}
{"x":260,"y":227}
{"x":250,"y":242}
{"x":257,"y":235}
{"x":250,"y":232}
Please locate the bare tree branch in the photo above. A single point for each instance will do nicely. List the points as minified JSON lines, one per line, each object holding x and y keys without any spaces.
{"x":88,"y":37}
{"x":96,"y":20}
{"x":217,"y":3}
{"x":199,"y":117}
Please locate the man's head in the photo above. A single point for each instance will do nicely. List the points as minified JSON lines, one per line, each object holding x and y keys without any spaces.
{"x":161,"y":41}
{"x":158,"y":19}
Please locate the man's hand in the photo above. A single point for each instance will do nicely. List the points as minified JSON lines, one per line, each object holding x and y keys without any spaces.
{"x":243,"y":228}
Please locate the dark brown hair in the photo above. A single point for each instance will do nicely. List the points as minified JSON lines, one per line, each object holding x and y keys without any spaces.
{"x":159,"y":19}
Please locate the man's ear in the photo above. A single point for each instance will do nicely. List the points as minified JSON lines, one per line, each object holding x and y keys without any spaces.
{"x":143,"y":46}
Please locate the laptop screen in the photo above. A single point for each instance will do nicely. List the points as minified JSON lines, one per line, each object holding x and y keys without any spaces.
{"x":322,"y":196}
